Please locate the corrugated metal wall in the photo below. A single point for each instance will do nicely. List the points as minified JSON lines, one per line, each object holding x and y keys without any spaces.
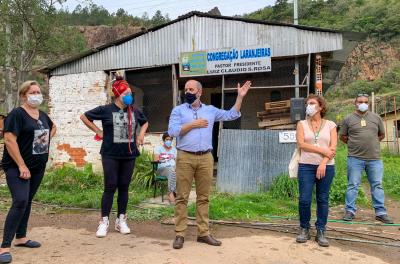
{"x":249,"y":160}
{"x":163,"y":46}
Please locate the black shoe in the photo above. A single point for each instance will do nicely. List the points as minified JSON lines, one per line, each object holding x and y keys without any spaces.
{"x":348,"y":216}
{"x":321,"y":239}
{"x":303,"y":236}
{"x":5,"y":258}
{"x":178,"y":242}
{"x":384,"y":219}
{"x":29,"y":244}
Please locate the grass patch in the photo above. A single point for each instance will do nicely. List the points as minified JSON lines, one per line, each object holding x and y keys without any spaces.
{"x":146,"y":214}
{"x":339,"y":184}
{"x":252,"y":206}
{"x":391,"y":177}
{"x":73,"y":187}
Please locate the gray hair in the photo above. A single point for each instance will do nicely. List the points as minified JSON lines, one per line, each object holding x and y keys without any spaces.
{"x":198,"y":84}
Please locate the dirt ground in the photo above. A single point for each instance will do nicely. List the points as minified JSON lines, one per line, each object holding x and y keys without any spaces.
{"x":69,"y":238}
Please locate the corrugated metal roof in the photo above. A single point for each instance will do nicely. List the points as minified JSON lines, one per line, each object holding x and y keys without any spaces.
{"x":198,"y":31}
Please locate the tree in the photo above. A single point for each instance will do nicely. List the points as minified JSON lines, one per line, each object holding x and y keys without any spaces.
{"x":32,"y":35}
{"x":158,"y":19}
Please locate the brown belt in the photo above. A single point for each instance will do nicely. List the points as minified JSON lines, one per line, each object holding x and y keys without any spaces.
{"x":198,"y":153}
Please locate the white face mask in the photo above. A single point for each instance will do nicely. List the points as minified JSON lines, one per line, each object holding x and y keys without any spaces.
{"x":35,"y":99}
{"x":310,"y":110}
{"x":363,"y":107}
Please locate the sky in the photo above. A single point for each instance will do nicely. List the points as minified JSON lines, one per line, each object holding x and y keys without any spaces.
{"x":175,"y":8}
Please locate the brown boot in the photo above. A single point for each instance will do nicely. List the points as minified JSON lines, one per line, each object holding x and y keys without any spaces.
{"x":178,"y":242}
{"x":209,"y":240}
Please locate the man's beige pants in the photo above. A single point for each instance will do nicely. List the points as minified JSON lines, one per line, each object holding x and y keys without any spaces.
{"x":199,"y":167}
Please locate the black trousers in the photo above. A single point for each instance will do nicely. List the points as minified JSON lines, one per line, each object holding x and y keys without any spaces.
{"x":22,"y":192}
{"x":117,"y":175}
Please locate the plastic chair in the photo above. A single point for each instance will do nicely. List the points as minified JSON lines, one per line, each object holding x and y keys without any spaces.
{"x":158,"y":180}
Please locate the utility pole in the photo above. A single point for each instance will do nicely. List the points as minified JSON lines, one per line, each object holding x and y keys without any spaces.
{"x":296,"y":60}
{"x":7,"y":66}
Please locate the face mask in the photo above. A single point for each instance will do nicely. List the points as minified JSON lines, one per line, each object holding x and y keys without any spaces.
{"x":190,"y":98}
{"x":35,"y":99}
{"x":168,"y":143}
{"x":127,"y":99}
{"x":310,"y":110}
{"x":363,"y":107}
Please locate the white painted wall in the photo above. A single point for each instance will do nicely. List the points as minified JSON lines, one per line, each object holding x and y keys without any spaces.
{"x":70,"y":96}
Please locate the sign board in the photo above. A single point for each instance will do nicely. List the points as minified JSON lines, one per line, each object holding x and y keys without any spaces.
{"x":287,"y":136}
{"x":225,"y":61}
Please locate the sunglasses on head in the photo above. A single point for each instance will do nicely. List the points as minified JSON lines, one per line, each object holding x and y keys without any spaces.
{"x":362,"y":95}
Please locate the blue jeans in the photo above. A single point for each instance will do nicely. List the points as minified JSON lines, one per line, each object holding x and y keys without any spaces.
{"x":374,"y":171}
{"x":307,"y":179}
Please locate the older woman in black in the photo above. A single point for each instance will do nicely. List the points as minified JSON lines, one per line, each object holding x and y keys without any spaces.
{"x":27,"y":134}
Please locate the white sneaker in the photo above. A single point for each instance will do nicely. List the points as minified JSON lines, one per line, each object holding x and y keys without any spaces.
{"x":102,"y":229}
{"x":121,"y":225}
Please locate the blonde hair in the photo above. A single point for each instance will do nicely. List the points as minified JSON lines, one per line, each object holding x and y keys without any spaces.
{"x":25,"y":87}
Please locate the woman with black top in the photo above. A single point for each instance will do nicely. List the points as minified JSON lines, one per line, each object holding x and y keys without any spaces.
{"x":118,"y":150}
{"x":27,"y":135}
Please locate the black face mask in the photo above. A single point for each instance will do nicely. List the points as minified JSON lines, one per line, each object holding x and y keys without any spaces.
{"x":190,"y":98}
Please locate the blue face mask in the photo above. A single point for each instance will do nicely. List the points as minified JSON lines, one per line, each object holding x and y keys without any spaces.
{"x":128,"y":99}
{"x":168,"y":143}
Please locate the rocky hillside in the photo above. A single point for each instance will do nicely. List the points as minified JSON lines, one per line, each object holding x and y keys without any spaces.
{"x":98,"y":35}
{"x":373,"y":66}
{"x":369,"y":61}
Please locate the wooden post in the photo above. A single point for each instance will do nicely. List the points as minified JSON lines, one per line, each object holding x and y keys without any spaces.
{"x":396,"y":134}
{"x":309,"y":73}
{"x":296,"y":78}
{"x":373,"y":102}
{"x":386,"y":128}
{"x":221,"y":124}
{"x":174,"y":86}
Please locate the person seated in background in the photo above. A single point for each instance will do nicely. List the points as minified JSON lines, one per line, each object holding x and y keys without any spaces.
{"x":166,"y":155}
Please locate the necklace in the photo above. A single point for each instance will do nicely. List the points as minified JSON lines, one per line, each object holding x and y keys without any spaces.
{"x":316,"y":132}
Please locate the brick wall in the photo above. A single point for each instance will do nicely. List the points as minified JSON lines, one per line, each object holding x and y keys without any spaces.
{"x":70,"y":96}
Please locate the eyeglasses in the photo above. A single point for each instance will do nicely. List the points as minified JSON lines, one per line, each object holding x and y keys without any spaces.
{"x":195,"y":115}
{"x":362,"y":95}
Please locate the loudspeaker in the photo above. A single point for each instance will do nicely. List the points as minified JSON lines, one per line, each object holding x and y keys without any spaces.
{"x":297,"y":109}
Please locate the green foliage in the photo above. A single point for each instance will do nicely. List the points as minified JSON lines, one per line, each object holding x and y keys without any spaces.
{"x":146,"y":214}
{"x":143,"y":173}
{"x":69,"y":186}
{"x":95,"y":15}
{"x":387,"y":85}
{"x":339,"y":185}
{"x":378,"y":18}
{"x":284,"y":187}
{"x":251,"y":206}
{"x":68,"y":178}
{"x":391,"y":178}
